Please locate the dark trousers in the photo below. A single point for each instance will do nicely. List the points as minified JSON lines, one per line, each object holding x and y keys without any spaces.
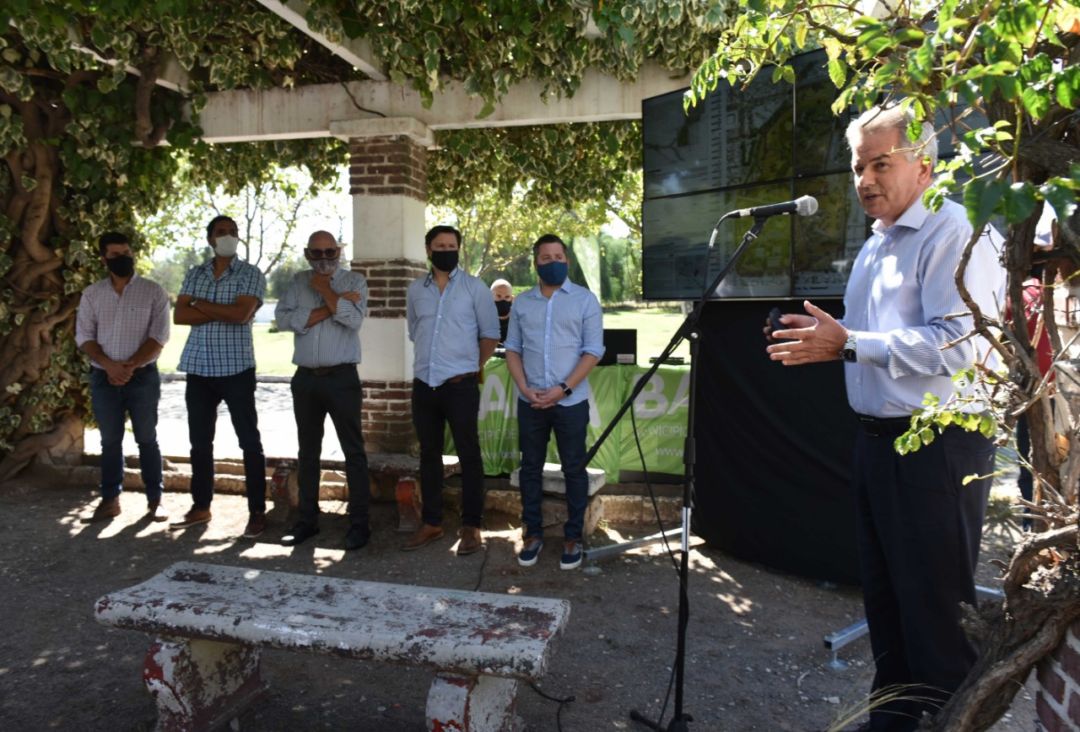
{"x":335,"y":391}
{"x":112,"y":404}
{"x":203,"y":395}
{"x":919,"y":530}
{"x":534,"y":431}
{"x":456,"y":403}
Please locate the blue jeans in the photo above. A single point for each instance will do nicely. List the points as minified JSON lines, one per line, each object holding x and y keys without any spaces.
{"x":534,"y":431}
{"x":202,"y":396}
{"x":112,"y":404}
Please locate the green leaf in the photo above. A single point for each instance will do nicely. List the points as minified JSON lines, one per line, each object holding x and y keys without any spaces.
{"x":1019,"y":202}
{"x":981,"y":197}
{"x":838,"y":72}
{"x":1036,"y":101}
{"x":1067,"y":87}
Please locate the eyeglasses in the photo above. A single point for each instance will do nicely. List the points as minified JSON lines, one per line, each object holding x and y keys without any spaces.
{"x":331,"y":253}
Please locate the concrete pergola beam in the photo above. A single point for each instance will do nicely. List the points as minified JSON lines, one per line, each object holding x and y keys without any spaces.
{"x":356,"y":52}
{"x":321,"y":110}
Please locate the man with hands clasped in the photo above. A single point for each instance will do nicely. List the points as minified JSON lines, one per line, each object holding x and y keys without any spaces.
{"x":555,"y":338}
{"x":324,"y":308}
{"x":918,"y":526}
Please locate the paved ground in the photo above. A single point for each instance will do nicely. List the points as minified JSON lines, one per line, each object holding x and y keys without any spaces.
{"x":755,"y":662}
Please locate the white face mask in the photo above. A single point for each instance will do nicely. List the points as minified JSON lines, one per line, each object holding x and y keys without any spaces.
{"x":225,"y":245}
{"x":324,"y":266}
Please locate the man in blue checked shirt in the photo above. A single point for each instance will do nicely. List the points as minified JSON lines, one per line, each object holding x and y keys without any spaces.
{"x":454,"y":325}
{"x":324,"y":308}
{"x":556,"y":337}
{"x":218,"y":300}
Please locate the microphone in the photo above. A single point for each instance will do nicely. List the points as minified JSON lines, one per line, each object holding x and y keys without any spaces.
{"x":803,"y":206}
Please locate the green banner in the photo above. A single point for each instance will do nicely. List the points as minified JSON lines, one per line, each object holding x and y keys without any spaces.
{"x":660,"y":412}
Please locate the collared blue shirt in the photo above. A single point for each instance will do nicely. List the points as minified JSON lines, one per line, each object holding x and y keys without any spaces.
{"x":553,"y":333}
{"x":330,"y":342}
{"x":900,"y":291}
{"x":217,"y":348}
{"x":446,"y":327}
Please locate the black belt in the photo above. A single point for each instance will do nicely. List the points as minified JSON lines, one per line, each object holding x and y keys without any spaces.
{"x":884,"y":426}
{"x":452,"y":380}
{"x":325,"y":370}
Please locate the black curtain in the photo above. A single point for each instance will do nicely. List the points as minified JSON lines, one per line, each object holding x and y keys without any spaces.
{"x":774,"y":449}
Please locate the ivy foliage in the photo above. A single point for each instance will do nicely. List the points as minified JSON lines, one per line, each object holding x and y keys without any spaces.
{"x":491,"y":45}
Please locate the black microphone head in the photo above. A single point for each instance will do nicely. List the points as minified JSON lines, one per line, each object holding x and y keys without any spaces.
{"x":806,"y":205}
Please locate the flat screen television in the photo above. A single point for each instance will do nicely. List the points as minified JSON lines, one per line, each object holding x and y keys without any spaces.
{"x":740,"y":148}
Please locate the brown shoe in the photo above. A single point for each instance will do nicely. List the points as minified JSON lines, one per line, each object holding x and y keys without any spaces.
{"x":471,"y":541}
{"x":107,"y":509}
{"x":423,"y":536}
{"x":192,"y":517}
{"x":256,"y":525}
{"x":156,"y":511}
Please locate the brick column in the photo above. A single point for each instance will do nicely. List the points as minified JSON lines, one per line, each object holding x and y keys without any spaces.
{"x":1057,"y":702}
{"x":388,"y":182}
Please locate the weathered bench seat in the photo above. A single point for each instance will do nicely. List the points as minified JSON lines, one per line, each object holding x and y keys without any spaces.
{"x":210,"y":622}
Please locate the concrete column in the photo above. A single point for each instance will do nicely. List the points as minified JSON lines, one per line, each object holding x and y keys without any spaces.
{"x":388,"y":183}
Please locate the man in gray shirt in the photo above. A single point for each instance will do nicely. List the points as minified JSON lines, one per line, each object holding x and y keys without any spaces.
{"x":324,"y":308}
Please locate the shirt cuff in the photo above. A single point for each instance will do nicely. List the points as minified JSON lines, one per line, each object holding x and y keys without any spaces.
{"x":872,"y":348}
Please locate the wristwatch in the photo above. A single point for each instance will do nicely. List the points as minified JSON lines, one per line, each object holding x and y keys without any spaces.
{"x":566,"y":390}
{"x":848,"y":351}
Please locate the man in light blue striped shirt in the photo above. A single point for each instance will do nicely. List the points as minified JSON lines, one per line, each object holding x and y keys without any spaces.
{"x":918,"y":525}
{"x":454,"y":327}
{"x":555,"y":338}
{"x":324,"y":308}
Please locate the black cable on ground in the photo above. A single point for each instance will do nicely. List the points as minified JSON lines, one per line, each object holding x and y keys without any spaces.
{"x":483,"y":563}
{"x":561,"y":702}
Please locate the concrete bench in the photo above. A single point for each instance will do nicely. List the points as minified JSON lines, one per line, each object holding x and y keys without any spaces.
{"x":210,"y":621}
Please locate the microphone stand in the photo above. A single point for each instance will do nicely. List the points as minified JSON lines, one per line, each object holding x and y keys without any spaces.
{"x":689,"y":331}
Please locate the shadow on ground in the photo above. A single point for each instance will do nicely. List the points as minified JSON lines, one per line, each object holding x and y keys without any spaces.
{"x":756,"y":660}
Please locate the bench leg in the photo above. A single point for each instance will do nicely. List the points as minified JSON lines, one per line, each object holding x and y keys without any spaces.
{"x":200,"y":684}
{"x":459,"y":703}
{"x":407,"y":494}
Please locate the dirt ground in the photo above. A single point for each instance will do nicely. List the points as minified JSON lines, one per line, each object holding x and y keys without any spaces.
{"x":756,"y":659}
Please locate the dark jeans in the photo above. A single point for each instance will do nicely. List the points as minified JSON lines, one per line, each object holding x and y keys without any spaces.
{"x":203,"y":395}
{"x":534,"y":431}
{"x":336,"y":392}
{"x":111,"y":404}
{"x":918,"y":530}
{"x":459,"y":405}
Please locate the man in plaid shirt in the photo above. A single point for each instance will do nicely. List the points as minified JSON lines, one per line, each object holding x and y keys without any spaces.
{"x":218,"y":300}
{"x":122,"y":324}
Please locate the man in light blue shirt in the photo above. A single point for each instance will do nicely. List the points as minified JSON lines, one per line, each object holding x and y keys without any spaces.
{"x":555,"y":338}
{"x":918,"y":523}
{"x":324,"y":308}
{"x":454,"y":328}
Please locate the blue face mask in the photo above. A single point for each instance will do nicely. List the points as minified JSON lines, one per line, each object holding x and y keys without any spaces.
{"x":553,"y":273}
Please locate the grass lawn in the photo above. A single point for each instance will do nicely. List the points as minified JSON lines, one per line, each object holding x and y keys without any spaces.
{"x":273,"y":351}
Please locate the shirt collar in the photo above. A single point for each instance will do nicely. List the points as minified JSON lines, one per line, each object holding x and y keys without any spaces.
{"x":913,"y":218}
{"x":431,"y":275}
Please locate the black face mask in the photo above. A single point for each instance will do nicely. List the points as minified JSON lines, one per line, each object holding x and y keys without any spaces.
{"x":503,"y":307}
{"x":121,"y":266}
{"x":444,"y":261}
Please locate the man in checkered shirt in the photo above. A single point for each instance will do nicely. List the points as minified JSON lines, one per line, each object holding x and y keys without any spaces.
{"x":218,"y":300}
{"x":122,"y":325}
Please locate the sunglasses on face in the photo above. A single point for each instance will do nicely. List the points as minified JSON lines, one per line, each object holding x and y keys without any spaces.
{"x":331,"y":253}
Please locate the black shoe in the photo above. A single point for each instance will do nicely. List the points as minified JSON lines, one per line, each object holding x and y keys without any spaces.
{"x":299,"y":533}
{"x":357,"y":538}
